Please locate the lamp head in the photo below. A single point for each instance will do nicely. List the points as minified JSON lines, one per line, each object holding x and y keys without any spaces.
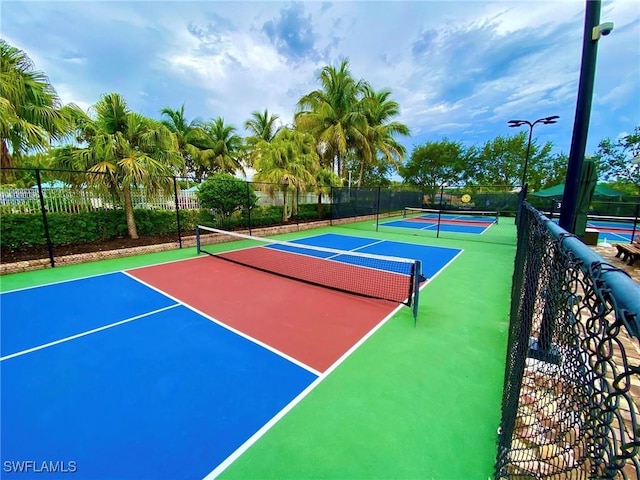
{"x":550,"y":120}
{"x":516,"y":123}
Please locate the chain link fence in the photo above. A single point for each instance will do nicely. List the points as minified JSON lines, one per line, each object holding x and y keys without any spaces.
{"x":569,"y":408}
{"x":65,"y":212}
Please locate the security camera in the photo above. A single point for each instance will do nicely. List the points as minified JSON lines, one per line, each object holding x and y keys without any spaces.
{"x":603,"y":29}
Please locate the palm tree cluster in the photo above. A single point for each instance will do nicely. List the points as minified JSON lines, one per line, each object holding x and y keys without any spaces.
{"x":344,"y":126}
{"x":349,"y":118}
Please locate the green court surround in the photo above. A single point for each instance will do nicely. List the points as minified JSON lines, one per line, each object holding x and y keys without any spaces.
{"x":409,"y":403}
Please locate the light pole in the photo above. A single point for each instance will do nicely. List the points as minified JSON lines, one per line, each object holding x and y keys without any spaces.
{"x":519,"y":123}
{"x":593,"y":31}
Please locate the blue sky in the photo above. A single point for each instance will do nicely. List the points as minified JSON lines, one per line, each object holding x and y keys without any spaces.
{"x":459,"y":69}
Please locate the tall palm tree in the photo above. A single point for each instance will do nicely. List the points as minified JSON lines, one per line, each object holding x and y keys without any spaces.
{"x":190,"y":136}
{"x":31,"y":114}
{"x":125,"y":150}
{"x":262,"y":126}
{"x":333,"y":114}
{"x":289,"y":161}
{"x":222,"y":149}
{"x":381,"y":131}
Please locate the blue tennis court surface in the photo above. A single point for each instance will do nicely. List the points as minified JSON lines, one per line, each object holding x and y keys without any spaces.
{"x":614,"y":231}
{"x":122,"y":381}
{"x":476,"y":225}
{"x":433,"y":258}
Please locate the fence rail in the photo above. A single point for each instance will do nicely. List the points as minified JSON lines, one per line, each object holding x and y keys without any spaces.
{"x":569,"y":407}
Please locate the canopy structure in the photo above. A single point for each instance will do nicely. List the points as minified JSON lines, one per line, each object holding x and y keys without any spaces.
{"x":558,"y":191}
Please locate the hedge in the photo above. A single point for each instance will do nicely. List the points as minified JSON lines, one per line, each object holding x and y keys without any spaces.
{"x":27,"y":230}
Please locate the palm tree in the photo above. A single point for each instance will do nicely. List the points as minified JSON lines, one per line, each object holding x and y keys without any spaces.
{"x":31,"y":115}
{"x":333,"y":114}
{"x":124,"y":151}
{"x":262,"y":126}
{"x":190,"y":136}
{"x":324,"y":180}
{"x":289,"y":161}
{"x":222,"y":149}
{"x":381,"y":131}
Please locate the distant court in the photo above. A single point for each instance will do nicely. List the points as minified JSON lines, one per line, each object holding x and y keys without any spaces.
{"x":475,"y":223}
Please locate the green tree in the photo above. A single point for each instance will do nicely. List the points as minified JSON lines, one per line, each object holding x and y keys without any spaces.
{"x":380,"y":144}
{"x":190,"y":137}
{"x":262,"y":126}
{"x":324,"y":180}
{"x":289,"y":162}
{"x":501,"y":161}
{"x":31,"y":114}
{"x":334,"y":115}
{"x":224,"y":194}
{"x":438,"y":163}
{"x":614,"y":159}
{"x":125,"y":151}
{"x":222,"y":149}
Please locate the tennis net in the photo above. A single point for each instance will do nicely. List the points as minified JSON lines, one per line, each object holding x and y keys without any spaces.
{"x":463,"y":217}
{"x":376,"y":276}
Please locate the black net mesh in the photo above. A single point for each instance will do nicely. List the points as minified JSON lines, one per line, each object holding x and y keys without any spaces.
{"x":571,"y":378}
{"x":374,"y":276}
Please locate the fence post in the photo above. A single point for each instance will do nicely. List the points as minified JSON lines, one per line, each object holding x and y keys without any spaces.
{"x":378,"y":208}
{"x":635,"y":222}
{"x":43,"y":210}
{"x":175,"y":196}
{"x":440,"y":210}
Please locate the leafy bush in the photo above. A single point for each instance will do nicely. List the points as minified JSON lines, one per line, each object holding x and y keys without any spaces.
{"x":224,"y":194}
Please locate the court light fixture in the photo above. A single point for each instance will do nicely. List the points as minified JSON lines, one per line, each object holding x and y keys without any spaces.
{"x":518,"y":123}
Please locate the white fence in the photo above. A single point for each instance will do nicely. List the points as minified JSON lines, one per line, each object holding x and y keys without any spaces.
{"x":70,"y":200}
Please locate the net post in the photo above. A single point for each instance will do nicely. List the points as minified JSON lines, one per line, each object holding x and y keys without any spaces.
{"x":417,"y":275}
{"x":198,"y":239}
{"x":249,"y":205}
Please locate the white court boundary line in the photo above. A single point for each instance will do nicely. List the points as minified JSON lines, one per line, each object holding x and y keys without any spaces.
{"x":88,"y":332}
{"x":229,"y":328}
{"x":227,"y":462}
{"x":95,"y":275}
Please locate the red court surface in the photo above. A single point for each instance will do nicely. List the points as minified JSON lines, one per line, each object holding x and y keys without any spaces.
{"x":314,"y":325}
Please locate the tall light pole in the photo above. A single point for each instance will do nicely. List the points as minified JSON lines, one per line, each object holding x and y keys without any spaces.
{"x":593,"y":31}
{"x":519,"y":123}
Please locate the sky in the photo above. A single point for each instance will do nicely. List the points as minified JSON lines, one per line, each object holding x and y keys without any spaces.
{"x":458,"y":69}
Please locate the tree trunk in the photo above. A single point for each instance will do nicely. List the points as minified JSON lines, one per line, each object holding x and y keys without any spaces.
{"x":294,"y":201}
{"x":128,"y":211}
{"x":361,"y":176}
{"x":284,"y":205}
{"x":6,"y":161}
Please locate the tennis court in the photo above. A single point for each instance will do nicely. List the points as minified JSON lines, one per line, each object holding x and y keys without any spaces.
{"x":173,"y":370}
{"x":476,"y":223}
{"x":616,"y":229}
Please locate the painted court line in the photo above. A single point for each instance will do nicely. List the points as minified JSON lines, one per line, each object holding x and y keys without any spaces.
{"x":88,"y":332}
{"x":226,"y":463}
{"x":95,"y":275}
{"x":275,"y":419}
{"x":227,"y":327}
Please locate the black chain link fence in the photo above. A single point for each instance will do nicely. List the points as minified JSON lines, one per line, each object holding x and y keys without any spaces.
{"x":571,"y":389}
{"x":47,"y":213}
